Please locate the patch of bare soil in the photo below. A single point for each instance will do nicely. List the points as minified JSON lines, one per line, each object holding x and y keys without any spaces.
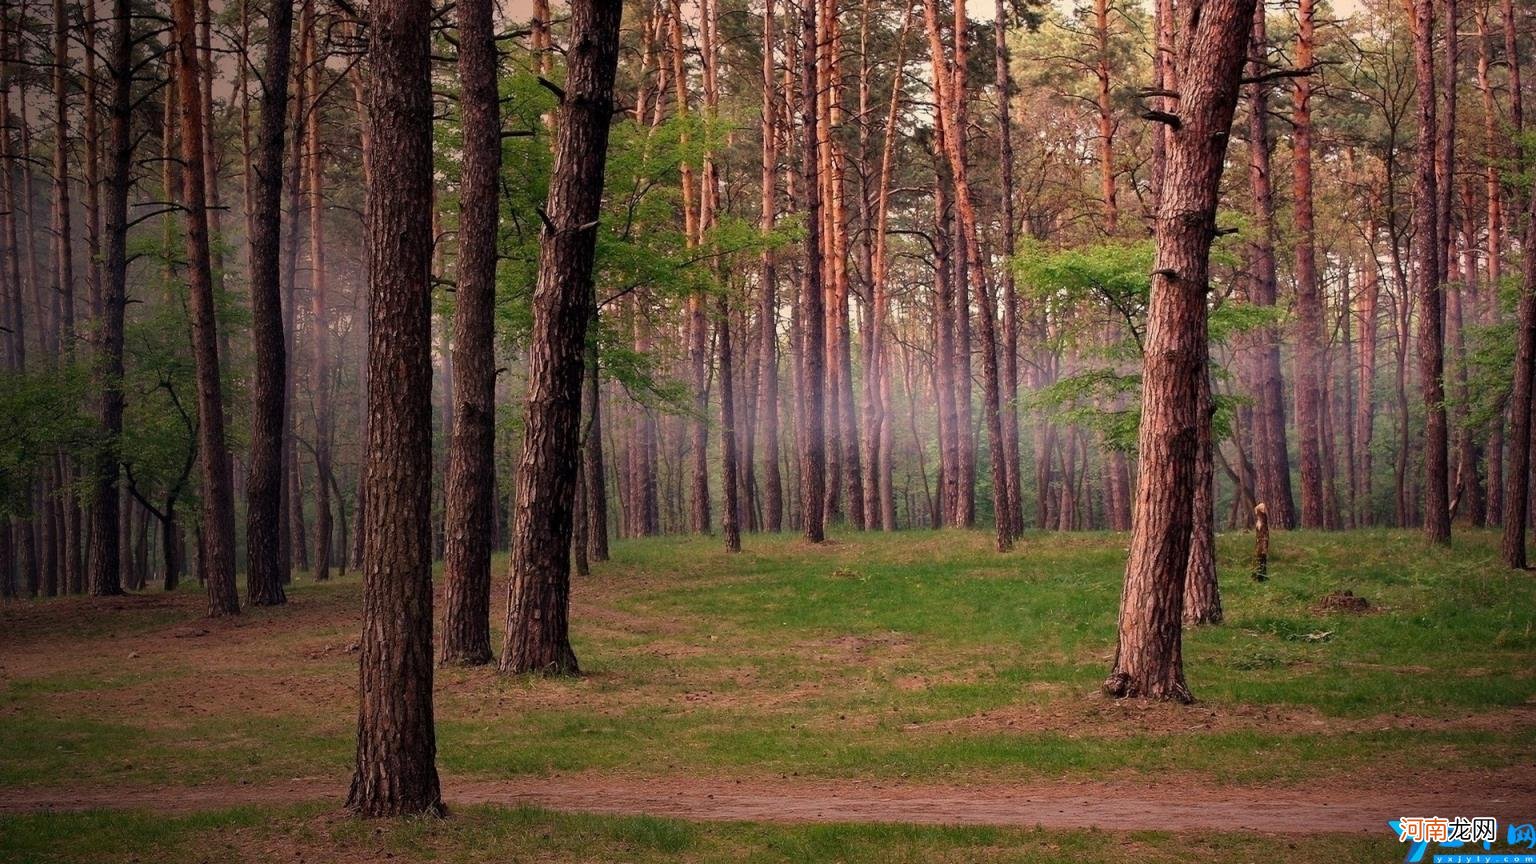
{"x":1169,"y":806}
{"x":1342,"y":601}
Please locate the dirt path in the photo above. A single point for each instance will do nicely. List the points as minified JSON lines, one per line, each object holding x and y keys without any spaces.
{"x":1052,"y":805}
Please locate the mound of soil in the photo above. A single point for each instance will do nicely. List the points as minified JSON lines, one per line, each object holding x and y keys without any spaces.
{"x":1343,"y":601}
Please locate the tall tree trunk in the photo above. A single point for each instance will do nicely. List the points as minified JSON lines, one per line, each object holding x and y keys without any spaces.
{"x":265,"y":516}
{"x":105,"y":574}
{"x":1365,"y":405}
{"x":1518,"y":468}
{"x":768,"y":308}
{"x":471,"y":489}
{"x":1309,"y":298}
{"x":1010,"y":347}
{"x":320,"y":316}
{"x":396,"y":771}
{"x":1427,"y":254}
{"x":64,"y":272}
{"x":951,"y":97}
{"x":218,"y":510}
{"x":1274,"y":468}
{"x":1213,"y":37}
{"x":813,"y":348}
{"x":538,"y":592}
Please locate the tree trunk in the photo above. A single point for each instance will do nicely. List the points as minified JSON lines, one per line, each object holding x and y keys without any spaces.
{"x":1427,"y":254}
{"x":592,"y":457}
{"x":471,"y":488}
{"x":265,"y":515}
{"x":1148,"y":661}
{"x":768,"y":308}
{"x":538,"y":592}
{"x":1518,"y":467}
{"x":1010,"y":346}
{"x":730,"y":524}
{"x":218,"y":510}
{"x":951,"y":97}
{"x":1202,"y":593}
{"x":1309,"y":298}
{"x":813,"y":348}
{"x":396,"y":742}
{"x":1274,"y":465}
{"x":320,"y":372}
{"x":105,"y":575}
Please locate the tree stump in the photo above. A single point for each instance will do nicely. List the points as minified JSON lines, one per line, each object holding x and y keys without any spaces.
{"x":1260,"y":543}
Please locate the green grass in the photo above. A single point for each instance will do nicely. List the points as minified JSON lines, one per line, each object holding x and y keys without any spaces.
{"x":486,"y":834}
{"x":915,"y":655}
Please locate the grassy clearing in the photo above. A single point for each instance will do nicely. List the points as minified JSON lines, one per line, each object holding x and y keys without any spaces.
{"x":525,"y":834}
{"x":917,"y":655}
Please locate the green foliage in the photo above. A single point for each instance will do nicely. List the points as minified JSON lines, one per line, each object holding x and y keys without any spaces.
{"x":42,"y":417}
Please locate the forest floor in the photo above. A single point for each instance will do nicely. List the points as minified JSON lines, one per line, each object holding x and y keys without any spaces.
{"x":924,"y":696}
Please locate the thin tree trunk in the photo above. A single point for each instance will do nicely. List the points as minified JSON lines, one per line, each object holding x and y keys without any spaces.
{"x":592,"y":457}
{"x":1427,"y":254}
{"x":768,"y":309}
{"x":1518,"y":467}
{"x":105,"y":575}
{"x":1309,"y":298}
{"x":813,"y":349}
{"x":951,"y":97}
{"x":471,"y":485}
{"x":217,"y":559}
{"x":320,"y":316}
{"x":1274,"y":467}
{"x":265,"y":516}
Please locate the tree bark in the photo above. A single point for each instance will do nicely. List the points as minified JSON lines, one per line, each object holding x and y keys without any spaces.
{"x":768,"y":308}
{"x":396,"y":771}
{"x":218,"y":510}
{"x":538,"y":592}
{"x":265,"y":564}
{"x":813,"y":348}
{"x":1518,"y":462}
{"x":1213,"y":38}
{"x":1309,"y":298}
{"x":951,"y":97}
{"x":471,"y":489}
{"x":1274,"y":465}
{"x":1427,"y":254}
{"x":104,"y":569}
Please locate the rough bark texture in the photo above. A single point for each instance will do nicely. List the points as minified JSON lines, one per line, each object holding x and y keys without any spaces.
{"x":217,"y":560}
{"x":730,"y":519}
{"x":396,"y":742}
{"x":538,"y":591}
{"x":813,"y":454}
{"x":768,"y":308}
{"x":1274,"y":466}
{"x":595,"y":482}
{"x":1427,"y":254}
{"x":104,"y":574}
{"x":1518,"y":465}
{"x":471,"y":488}
{"x":264,"y":479}
{"x":1309,"y":297}
{"x":950,"y":89}
{"x":1213,"y":37}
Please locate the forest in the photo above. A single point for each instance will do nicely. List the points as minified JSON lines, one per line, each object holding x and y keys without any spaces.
{"x":890,"y":430}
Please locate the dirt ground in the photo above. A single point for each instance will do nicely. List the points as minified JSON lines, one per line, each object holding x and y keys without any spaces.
{"x":1158,"y":806}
